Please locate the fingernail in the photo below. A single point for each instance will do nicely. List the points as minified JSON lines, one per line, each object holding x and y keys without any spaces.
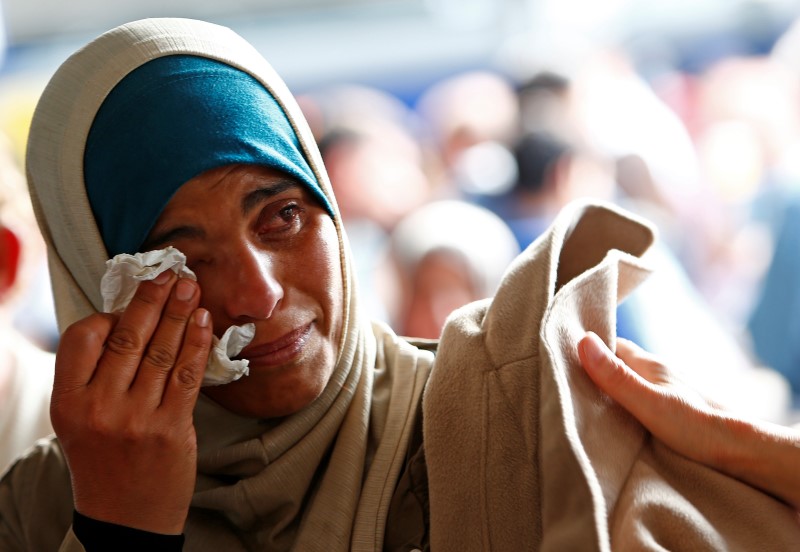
{"x":184,"y":290}
{"x":595,"y":349}
{"x":201,"y":317}
{"x":163,"y":278}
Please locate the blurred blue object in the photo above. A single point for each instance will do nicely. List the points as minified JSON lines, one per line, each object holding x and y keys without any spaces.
{"x":775,"y":321}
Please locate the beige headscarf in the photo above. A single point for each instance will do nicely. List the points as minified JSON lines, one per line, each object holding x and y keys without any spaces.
{"x":321,"y":479}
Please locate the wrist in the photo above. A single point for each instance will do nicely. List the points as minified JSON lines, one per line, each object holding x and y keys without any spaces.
{"x":137,"y":517}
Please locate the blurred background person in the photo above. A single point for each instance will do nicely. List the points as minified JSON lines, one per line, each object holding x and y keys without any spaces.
{"x":448,"y":253}
{"x":370,"y":139}
{"x":756,"y":99}
{"x":774,"y":322}
{"x":661,"y":173}
{"x":746,"y":130}
{"x":601,"y":149}
{"x":26,"y":371}
{"x":544,"y":103}
{"x":550,"y":174}
{"x":469,"y":120}
{"x":377,"y":168}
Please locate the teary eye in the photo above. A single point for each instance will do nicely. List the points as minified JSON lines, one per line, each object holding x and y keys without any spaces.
{"x":280,"y":219}
{"x":289,"y":212}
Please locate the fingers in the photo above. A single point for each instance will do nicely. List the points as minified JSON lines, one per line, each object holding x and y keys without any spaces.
{"x":160,"y":341}
{"x":79,"y":349}
{"x":181,"y":393}
{"x":673,"y":412}
{"x":128,"y":340}
{"x":643,"y":363}
{"x":611,"y":374}
{"x":122,"y":407}
{"x":164,"y":347}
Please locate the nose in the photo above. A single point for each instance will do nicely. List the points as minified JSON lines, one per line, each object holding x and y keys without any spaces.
{"x":250,"y":288}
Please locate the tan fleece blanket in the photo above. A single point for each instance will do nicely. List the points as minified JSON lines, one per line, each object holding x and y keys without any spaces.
{"x":525,"y":453}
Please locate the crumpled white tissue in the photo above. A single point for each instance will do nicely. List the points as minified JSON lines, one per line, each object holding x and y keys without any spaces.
{"x":119,"y":283}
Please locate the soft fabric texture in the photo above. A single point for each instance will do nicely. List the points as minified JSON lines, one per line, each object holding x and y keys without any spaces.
{"x":525,"y":453}
{"x":321,"y":479}
{"x":170,"y":120}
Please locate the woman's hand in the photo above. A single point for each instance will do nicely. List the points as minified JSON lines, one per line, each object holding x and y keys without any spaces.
{"x":123,"y":397}
{"x":764,"y":455}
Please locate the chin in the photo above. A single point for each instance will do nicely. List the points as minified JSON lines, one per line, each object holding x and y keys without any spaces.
{"x":257,"y":396}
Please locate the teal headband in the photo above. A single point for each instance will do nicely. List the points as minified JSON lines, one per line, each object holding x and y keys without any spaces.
{"x":170,"y":120}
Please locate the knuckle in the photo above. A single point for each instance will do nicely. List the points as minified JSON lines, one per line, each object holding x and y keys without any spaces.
{"x":61,"y":415}
{"x":138,"y":431}
{"x":618,"y":374}
{"x":176,"y":317}
{"x":86,"y":331}
{"x":97,"y":423}
{"x":188,"y":446}
{"x":163,"y":437}
{"x":124,"y":341}
{"x":186,"y":376}
{"x":195,"y":343}
{"x":76,"y":331}
{"x":160,"y":356}
{"x":149,"y":294}
{"x":134,"y":432}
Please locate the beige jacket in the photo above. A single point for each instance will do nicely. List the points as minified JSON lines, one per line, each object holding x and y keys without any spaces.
{"x":525,"y":453}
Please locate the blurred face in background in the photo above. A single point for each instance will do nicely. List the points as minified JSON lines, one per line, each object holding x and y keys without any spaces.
{"x":440,"y":284}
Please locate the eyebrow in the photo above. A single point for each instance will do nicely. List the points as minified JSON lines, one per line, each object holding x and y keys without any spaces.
{"x":159,"y":239}
{"x":248,"y":203}
{"x":257,"y":196}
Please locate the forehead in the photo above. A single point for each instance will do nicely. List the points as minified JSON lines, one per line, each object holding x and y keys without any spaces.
{"x":225,"y":198}
{"x":240,"y":177}
{"x":233,"y":182}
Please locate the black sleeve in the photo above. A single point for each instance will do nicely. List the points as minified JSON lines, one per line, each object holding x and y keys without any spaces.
{"x":101,"y":536}
{"x":408,"y":520}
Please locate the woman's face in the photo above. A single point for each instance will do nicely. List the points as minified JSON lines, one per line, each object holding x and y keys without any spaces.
{"x":264,"y":251}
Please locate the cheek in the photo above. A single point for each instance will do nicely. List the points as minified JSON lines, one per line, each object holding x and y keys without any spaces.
{"x":323,"y":271}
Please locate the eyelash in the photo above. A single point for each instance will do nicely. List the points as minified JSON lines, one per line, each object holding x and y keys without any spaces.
{"x":279,"y":220}
{"x":289,"y":216}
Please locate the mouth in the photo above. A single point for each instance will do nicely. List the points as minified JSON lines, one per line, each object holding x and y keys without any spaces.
{"x":284,"y":349}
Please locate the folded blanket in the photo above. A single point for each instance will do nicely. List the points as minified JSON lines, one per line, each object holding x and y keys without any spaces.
{"x":525,"y":453}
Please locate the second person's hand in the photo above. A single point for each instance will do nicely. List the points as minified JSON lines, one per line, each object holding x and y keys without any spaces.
{"x":762,"y":454}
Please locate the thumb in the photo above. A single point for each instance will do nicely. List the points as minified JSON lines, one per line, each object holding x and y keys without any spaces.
{"x":611,"y":374}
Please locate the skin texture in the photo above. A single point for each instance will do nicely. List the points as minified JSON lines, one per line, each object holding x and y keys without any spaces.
{"x":126,"y":385}
{"x":759,"y":453}
{"x":275,"y":265}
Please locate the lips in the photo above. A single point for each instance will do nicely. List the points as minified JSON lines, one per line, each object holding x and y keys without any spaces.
{"x":282,"y":350}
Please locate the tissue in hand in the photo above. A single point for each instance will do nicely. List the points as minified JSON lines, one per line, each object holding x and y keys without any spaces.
{"x":118,"y":285}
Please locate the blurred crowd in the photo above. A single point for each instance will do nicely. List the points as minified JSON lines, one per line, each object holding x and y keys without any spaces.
{"x":439,"y":194}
